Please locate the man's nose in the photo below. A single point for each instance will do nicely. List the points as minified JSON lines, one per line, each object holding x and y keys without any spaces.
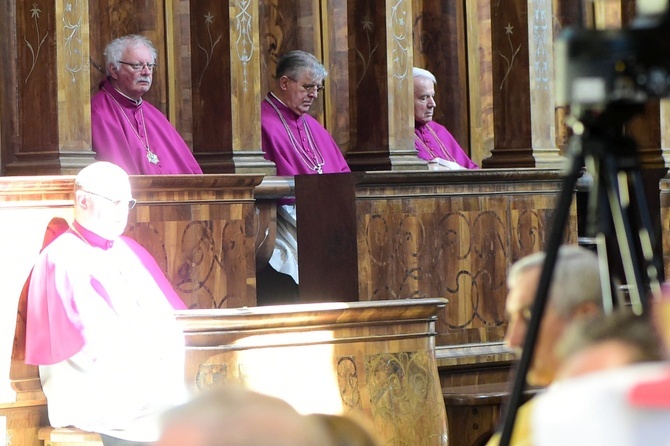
{"x":431,"y":102}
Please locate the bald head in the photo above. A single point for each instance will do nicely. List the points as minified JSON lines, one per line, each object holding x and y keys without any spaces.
{"x":235,"y":416}
{"x":103,"y":199}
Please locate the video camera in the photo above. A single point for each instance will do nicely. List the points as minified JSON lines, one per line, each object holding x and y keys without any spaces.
{"x":595,"y":68}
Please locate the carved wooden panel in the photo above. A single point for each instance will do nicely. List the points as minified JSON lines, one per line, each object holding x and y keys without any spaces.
{"x":511,"y":95}
{"x":37,"y":70}
{"x":201,"y":234}
{"x":370,"y":359}
{"x":368,"y":81}
{"x":453,"y":236}
{"x":210,"y":75}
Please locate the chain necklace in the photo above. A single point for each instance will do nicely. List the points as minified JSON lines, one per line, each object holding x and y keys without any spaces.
{"x":151,"y":156}
{"x":446,"y":155}
{"x":313,"y":160}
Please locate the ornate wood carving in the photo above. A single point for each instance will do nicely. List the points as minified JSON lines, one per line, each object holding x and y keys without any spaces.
{"x":371,"y":359}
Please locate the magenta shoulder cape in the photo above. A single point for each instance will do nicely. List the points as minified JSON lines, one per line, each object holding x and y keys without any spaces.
{"x":425,"y":142}
{"x":120,"y":138}
{"x":278,"y":148}
{"x":54,"y":329}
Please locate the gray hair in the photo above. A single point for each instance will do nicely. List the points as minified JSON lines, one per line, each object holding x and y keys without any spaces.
{"x":115,"y":49}
{"x":621,"y":326}
{"x":295,"y":62}
{"x":575,"y":280}
{"x":420,"y":72}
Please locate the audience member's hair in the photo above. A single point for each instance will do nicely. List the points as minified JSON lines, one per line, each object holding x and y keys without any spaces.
{"x":236,"y":416}
{"x":621,"y":326}
{"x":345,"y":431}
{"x":575,"y":278}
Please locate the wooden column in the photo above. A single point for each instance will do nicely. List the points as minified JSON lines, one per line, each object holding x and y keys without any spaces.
{"x":480,"y":79}
{"x":440,"y":47}
{"x":225,"y":70}
{"x":381,"y":117}
{"x":48,"y":88}
{"x":335,"y":53}
{"x":510,"y":80}
{"x":541,"y":84}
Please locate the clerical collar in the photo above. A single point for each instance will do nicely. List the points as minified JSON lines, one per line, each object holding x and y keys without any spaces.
{"x":90,"y":237}
{"x":282,"y":103}
{"x":136,"y":102}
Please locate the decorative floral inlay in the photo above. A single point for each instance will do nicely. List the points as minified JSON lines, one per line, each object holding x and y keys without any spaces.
{"x":400,"y":47}
{"x":509,"y":60}
{"x":244,"y":44}
{"x":209,"y":18}
{"x":35,"y":53}
{"x":368,"y":28}
{"x":74,"y":58}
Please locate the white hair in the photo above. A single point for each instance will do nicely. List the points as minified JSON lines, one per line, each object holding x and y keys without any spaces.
{"x":420,"y":72}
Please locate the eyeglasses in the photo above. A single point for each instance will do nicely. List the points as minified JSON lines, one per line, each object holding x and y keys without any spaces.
{"x":131,"y":202}
{"x":309,"y":88}
{"x":138,"y":66}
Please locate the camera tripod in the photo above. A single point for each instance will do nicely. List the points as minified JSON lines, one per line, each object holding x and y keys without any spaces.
{"x":616,"y":206}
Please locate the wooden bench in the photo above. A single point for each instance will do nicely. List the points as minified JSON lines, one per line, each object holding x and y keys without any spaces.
{"x":473,"y":411}
{"x":66,"y":436}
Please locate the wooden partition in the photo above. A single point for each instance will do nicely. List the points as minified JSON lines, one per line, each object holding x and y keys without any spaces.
{"x":421,"y":234}
{"x":371,"y":359}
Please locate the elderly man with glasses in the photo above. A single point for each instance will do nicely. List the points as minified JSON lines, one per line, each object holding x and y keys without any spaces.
{"x":131,"y":132}
{"x":100,"y":320}
{"x":296,"y":142}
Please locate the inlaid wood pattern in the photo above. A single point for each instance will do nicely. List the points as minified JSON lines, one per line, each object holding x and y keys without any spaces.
{"x":370,"y":359}
{"x":453,"y":237}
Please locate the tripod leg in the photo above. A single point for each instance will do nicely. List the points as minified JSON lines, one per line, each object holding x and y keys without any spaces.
{"x":647,"y":237}
{"x":553,"y":243}
{"x":617,"y":185}
{"x":597,"y":226}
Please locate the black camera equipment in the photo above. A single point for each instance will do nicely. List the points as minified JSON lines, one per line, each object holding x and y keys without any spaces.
{"x":606,"y":77}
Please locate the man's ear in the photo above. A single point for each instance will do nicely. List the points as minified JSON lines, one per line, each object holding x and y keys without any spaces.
{"x":283,"y":82}
{"x":113,"y":71}
{"x":81,"y":198}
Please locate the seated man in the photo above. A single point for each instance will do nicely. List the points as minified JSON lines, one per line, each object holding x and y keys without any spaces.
{"x":573,"y":295}
{"x":295,"y":142}
{"x":432,"y":141}
{"x":128,"y":131}
{"x":605,"y":400}
{"x":100,"y":320}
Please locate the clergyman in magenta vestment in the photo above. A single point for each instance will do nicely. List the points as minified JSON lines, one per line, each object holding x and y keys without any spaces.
{"x":291,"y":160}
{"x":100,"y":324}
{"x":121,"y":128}
{"x":428,"y":147}
{"x":297,"y":145}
